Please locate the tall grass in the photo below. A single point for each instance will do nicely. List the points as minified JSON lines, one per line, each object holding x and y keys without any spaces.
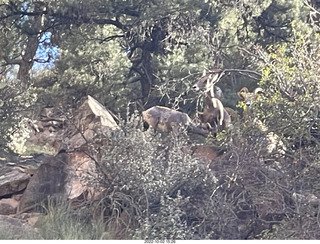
{"x":60,"y":222}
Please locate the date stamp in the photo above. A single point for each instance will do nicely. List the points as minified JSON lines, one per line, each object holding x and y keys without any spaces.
{"x":159,"y":241}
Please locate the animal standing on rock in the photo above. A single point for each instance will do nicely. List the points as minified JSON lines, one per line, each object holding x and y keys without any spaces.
{"x":165,"y":119}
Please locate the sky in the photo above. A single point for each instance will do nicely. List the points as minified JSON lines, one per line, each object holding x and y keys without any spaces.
{"x":45,"y":48}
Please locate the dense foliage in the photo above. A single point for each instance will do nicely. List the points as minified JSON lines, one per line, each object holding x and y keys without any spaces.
{"x":131,"y":55}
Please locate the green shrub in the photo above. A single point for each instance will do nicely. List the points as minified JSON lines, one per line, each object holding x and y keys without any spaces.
{"x":290,"y":108}
{"x":153,"y":180}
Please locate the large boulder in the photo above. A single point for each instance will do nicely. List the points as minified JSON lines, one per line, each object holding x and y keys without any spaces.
{"x":89,"y":120}
{"x":48,"y":181}
{"x":67,"y":174}
{"x":81,"y":173}
{"x":16,"y":173}
{"x":13,"y":181}
{"x":70,"y":129}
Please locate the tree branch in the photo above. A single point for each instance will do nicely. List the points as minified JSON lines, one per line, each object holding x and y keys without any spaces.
{"x":14,"y":11}
{"x":240,"y":71}
{"x":108,"y":22}
{"x":43,"y":61}
{"x":12,"y":61}
{"x":109,"y":38}
{"x":243,"y":71}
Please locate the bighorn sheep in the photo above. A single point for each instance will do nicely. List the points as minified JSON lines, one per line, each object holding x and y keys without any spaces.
{"x":214,"y":114}
{"x":165,"y":119}
{"x":249,"y":97}
{"x":271,"y":142}
{"x":207,"y":82}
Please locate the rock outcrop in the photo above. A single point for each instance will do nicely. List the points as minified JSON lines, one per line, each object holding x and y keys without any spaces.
{"x":66,"y":174}
{"x":71,"y":173}
{"x":13,"y":181}
{"x":48,"y":181}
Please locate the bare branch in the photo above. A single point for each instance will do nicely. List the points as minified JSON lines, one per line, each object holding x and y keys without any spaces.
{"x":11,"y":61}
{"x":43,"y":61}
{"x":243,"y":72}
{"x":109,"y":38}
{"x":15,"y":11}
{"x":311,"y":7}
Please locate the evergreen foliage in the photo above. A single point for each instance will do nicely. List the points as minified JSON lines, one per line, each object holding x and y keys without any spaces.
{"x":131,"y":55}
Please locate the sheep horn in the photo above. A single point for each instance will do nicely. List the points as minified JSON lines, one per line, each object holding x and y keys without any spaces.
{"x":258,"y":90}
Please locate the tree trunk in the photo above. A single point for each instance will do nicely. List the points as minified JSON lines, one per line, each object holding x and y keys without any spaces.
{"x":26,"y":63}
{"x":147,"y":77}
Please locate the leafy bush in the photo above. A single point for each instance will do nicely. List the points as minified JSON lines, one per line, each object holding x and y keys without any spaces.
{"x":156,"y":189}
{"x":155,"y":182}
{"x":290,"y":108}
{"x":16,"y":101}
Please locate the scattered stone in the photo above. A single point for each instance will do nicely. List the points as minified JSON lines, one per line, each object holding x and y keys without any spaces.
{"x":16,"y":229}
{"x":8,"y":206}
